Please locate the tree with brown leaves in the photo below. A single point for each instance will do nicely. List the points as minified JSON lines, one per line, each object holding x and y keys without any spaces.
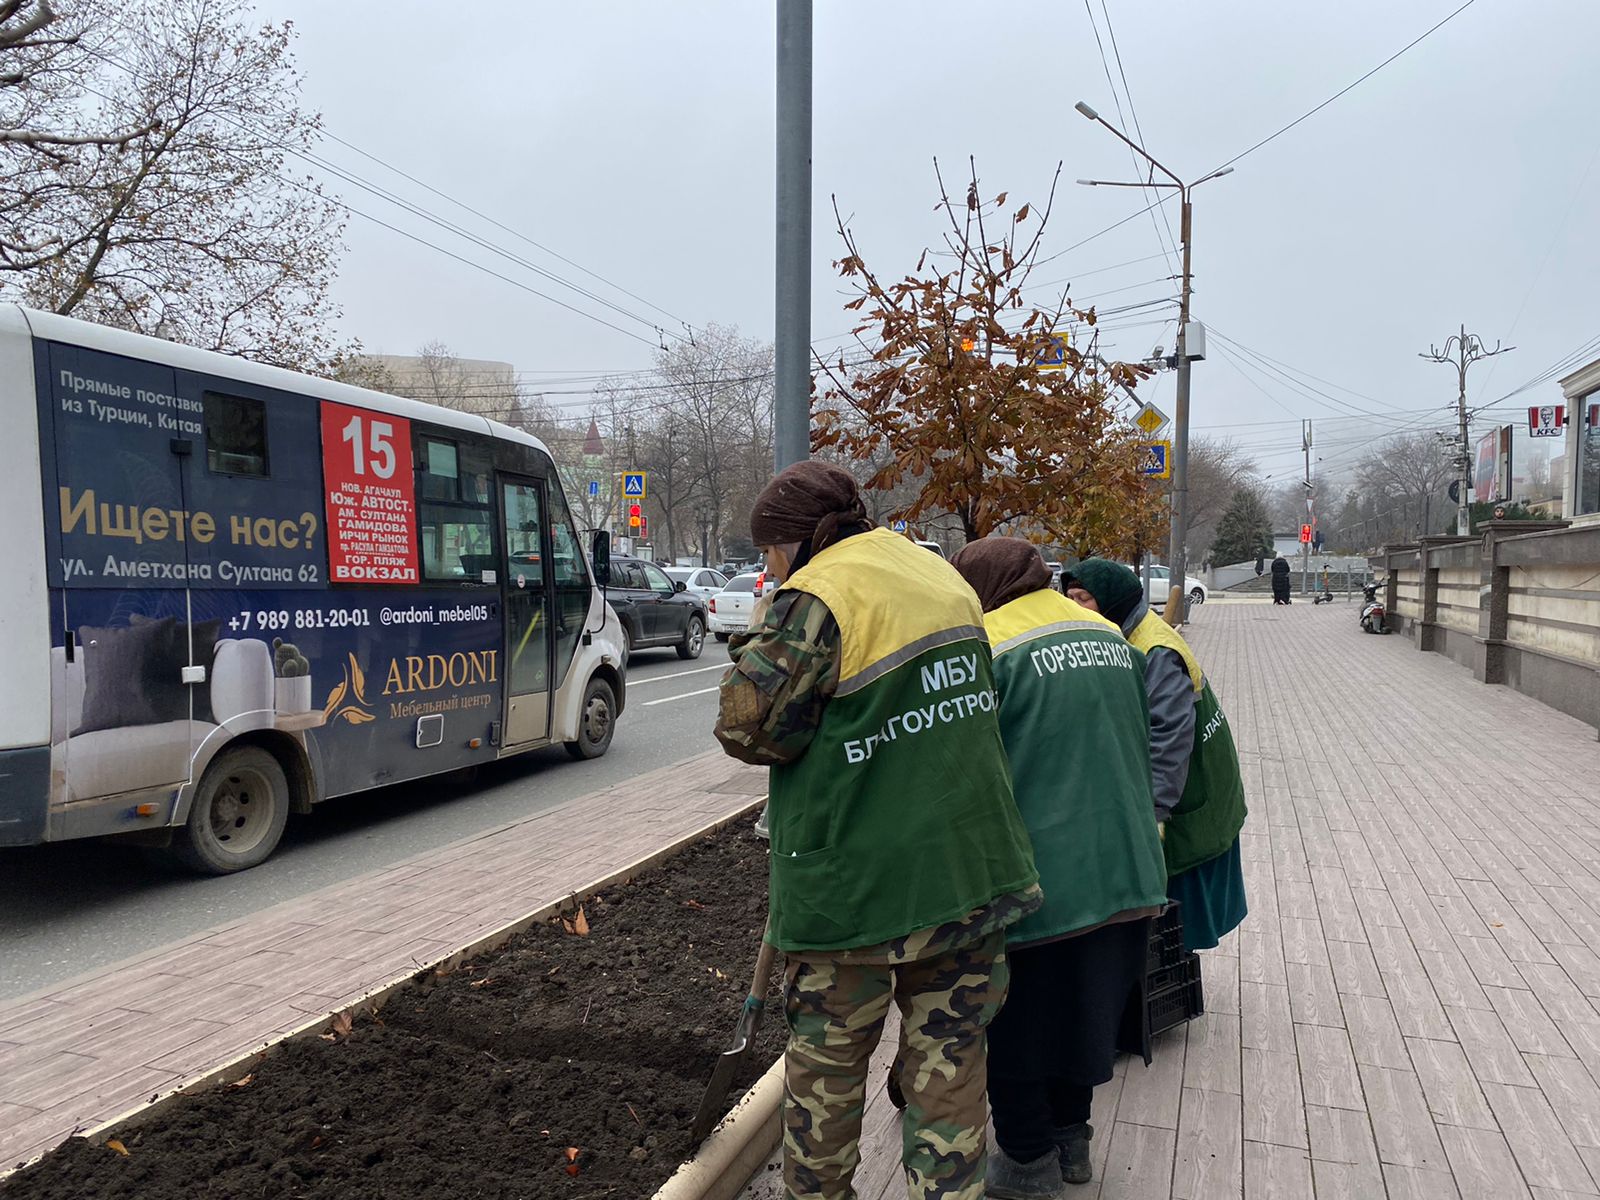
{"x":952,"y":396}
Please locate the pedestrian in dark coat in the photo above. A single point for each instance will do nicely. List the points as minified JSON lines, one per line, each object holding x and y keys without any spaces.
{"x":1280,"y":580}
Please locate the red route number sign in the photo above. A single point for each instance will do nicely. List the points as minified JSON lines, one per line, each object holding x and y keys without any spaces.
{"x":367,"y":488}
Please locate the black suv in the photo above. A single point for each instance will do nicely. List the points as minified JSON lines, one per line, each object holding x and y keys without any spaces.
{"x":653,"y":610}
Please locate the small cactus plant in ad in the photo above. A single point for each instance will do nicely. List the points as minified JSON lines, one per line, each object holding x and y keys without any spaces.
{"x":293,"y":682}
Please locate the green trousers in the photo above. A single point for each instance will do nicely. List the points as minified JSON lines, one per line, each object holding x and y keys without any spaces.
{"x":836,"y":1013}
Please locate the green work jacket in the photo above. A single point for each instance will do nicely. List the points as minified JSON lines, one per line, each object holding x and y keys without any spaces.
{"x":900,"y":814}
{"x":1076,"y":727}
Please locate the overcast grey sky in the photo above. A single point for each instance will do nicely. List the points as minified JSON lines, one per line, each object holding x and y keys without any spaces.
{"x":1458,"y":184}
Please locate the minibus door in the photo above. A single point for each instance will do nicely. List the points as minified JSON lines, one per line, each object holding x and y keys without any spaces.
{"x":122,"y":567}
{"x":526,"y":586}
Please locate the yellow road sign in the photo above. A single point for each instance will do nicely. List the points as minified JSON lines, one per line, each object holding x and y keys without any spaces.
{"x":1150,"y":419}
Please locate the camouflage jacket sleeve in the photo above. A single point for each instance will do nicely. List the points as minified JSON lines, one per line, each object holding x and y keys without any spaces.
{"x":784,"y":672}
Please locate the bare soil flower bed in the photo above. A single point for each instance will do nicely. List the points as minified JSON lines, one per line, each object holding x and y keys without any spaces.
{"x":563,"y":1064}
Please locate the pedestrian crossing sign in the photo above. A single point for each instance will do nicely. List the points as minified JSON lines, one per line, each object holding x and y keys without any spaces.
{"x":1155,"y":459}
{"x":633,"y":485}
{"x":1054,"y":356}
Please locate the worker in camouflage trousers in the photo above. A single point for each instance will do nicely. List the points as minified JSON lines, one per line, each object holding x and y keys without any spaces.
{"x":898,"y":856}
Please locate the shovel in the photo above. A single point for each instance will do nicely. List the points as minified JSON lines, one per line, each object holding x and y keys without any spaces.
{"x":731,"y":1061}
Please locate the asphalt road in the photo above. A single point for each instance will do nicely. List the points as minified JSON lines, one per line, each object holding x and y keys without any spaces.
{"x":77,"y":906}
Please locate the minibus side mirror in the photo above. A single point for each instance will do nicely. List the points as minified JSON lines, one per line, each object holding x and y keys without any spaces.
{"x":600,"y":557}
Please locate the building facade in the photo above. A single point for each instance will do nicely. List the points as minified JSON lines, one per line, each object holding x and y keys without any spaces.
{"x":1581,"y":390}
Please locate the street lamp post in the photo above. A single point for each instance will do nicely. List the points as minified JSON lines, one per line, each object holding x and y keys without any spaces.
{"x":1176,"y":558}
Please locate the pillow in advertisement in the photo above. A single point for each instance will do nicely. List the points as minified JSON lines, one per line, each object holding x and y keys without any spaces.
{"x":123,"y":675}
{"x":171,"y":694}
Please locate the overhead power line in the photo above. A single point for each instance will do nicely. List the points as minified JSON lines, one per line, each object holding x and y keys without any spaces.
{"x":1134,"y":113}
{"x":1348,"y":87}
{"x":1155,"y":222}
{"x":434,"y":218}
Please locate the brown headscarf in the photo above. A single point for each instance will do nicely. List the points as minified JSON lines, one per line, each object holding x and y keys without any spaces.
{"x":1000,"y":569}
{"x":812,"y":501}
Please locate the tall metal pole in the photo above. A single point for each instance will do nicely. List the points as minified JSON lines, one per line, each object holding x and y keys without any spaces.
{"x":1179,"y":499}
{"x":1464,"y":501}
{"x":1176,"y":560}
{"x":1305,"y":547}
{"x":791,"y":424}
{"x":1469,"y":349}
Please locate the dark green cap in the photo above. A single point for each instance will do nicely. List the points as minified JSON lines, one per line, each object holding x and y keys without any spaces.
{"x":1115,"y":588}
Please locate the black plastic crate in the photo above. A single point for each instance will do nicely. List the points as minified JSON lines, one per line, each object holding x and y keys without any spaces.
{"x":1167,"y":977}
{"x":1179,"y":1001}
{"x":1166,"y":940}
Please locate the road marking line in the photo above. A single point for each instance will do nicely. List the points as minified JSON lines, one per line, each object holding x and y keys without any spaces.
{"x":678,"y":674}
{"x":685,"y":696}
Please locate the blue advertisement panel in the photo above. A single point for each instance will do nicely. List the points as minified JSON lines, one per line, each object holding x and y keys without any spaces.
{"x":349,"y":673}
{"x":165,"y":478}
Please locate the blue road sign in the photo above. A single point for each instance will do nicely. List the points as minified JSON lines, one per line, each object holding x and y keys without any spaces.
{"x":594,"y":487}
{"x":633,"y":485}
{"x":1054,"y":356}
{"x":1157,"y":461}
{"x":899,"y":526}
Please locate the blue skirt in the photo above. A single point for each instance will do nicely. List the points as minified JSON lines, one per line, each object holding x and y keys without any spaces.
{"x":1213,"y":899}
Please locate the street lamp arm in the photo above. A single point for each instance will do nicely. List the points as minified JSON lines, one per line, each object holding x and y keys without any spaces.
{"x":1121,"y":183}
{"x":1141,"y":151}
{"x":1092,"y":115}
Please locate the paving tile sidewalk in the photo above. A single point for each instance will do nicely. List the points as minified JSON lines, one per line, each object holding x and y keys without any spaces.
{"x":81,"y":1052}
{"x":1412,"y":1009}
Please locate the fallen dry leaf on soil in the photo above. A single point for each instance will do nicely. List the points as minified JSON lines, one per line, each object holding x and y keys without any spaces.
{"x":244,"y":1081}
{"x":113,"y":1144}
{"x":481,"y":982}
{"x":342,"y":1024}
{"x":578,"y":924}
{"x":572,"y":1167}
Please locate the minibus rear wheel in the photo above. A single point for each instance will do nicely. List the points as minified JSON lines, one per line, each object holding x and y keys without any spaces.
{"x":238,"y":815}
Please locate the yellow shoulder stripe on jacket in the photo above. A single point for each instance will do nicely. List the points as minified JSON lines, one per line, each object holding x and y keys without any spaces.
{"x":1153,"y":632}
{"x":892,"y":598}
{"x":1037,"y":614}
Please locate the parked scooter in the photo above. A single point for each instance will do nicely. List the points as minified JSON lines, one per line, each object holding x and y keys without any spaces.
{"x":1372,"y":613}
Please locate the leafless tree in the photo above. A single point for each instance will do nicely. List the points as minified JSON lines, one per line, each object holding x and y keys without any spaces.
{"x":185,"y":219}
{"x":1407,"y":467}
{"x":701,"y":425}
{"x":1217,"y":470}
{"x":44,"y":56}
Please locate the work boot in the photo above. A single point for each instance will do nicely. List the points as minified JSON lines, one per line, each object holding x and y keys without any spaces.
{"x":1011,"y":1180}
{"x":1072,"y":1145}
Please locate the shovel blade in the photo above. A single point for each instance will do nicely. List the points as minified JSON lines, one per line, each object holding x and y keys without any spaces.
{"x":713,"y":1105}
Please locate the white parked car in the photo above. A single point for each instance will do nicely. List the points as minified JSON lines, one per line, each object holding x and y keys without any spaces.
{"x":729,"y":610}
{"x":1160,"y":586}
{"x":698,"y":581}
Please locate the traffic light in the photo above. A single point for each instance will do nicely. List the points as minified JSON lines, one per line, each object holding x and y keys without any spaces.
{"x":1305,"y":533}
{"x":635,"y":519}
{"x":644,"y":526}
